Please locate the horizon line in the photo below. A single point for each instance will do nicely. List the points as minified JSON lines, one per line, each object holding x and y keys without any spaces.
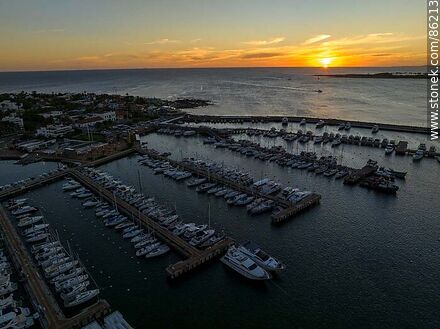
{"x":205,"y":68}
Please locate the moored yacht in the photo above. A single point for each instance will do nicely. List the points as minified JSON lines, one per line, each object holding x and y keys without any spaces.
{"x":260,"y":257}
{"x":24,"y":210}
{"x":245,"y":266}
{"x":82,"y":298}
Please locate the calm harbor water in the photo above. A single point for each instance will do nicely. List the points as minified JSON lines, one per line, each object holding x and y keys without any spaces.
{"x":358,"y":260}
{"x":253,"y":91}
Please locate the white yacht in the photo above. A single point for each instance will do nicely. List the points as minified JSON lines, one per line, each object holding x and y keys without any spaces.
{"x":24,"y":210}
{"x":82,"y":298}
{"x":35,"y":228}
{"x":71,"y":282}
{"x":320,"y":124}
{"x":260,"y":257}
{"x":7,"y":301}
{"x":158,"y":251}
{"x":242,"y":264}
{"x":15,"y":318}
{"x":29,"y":221}
{"x":389,"y":149}
{"x":418,"y":155}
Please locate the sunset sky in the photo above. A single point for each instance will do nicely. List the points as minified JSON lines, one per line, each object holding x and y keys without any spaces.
{"x":87,"y":34}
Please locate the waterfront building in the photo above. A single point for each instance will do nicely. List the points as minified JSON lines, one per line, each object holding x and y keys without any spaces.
{"x":54,"y":130}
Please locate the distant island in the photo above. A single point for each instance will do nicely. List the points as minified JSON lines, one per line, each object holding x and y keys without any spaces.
{"x":384,"y":75}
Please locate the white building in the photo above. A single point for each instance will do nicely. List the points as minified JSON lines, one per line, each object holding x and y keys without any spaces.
{"x":9,"y":106}
{"x":88,"y":122}
{"x":52,"y":114}
{"x":15,"y":120}
{"x":54,"y":130}
{"x":107,"y":116}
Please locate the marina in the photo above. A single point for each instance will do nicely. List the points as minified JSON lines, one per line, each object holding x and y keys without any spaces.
{"x":189,"y":171}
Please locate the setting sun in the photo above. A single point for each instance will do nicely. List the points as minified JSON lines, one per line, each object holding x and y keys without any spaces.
{"x":326,"y":61}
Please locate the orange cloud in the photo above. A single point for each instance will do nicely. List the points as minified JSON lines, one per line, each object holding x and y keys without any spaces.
{"x":265,"y":42}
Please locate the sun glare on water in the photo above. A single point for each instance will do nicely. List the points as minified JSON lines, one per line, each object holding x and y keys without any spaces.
{"x":326,"y":61}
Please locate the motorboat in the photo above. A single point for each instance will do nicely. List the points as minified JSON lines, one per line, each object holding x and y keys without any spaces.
{"x":90,"y":203}
{"x":330,"y":172}
{"x":205,"y":187}
{"x":212,"y":240}
{"x":395,"y":173}
{"x":158,"y":251}
{"x":82,"y":298}
{"x":341,"y":174}
{"x":320,"y":124}
{"x":29,"y":221}
{"x":418,"y":155}
{"x":318,"y":140}
{"x":132,"y":233}
{"x":70,"y":186}
{"x":261,"y":208}
{"x":44,"y":246}
{"x":69,"y":294}
{"x":55,"y":271}
{"x":195,"y":182}
{"x":145,"y":242}
{"x":389,"y":149}
{"x":336,"y":142}
{"x":242,"y":264}
{"x":146,"y":249}
{"x":38,"y":236}
{"x":35,"y":228}
{"x":7,"y":288}
{"x":302,"y":122}
{"x":201,"y":237}
{"x":19,"y":317}
{"x":69,"y":275}
{"x":259,"y":256}
{"x":375,"y":129}
{"x":192,"y":231}
{"x":70,"y":282}
{"x":24,"y":210}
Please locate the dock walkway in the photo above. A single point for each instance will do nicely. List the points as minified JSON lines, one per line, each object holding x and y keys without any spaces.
{"x":40,"y":292}
{"x":289,"y":211}
{"x":195,"y":257}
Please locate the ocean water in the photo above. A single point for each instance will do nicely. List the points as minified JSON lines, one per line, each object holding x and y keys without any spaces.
{"x":252,"y":91}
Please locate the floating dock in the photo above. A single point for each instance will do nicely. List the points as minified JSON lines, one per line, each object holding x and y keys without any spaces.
{"x":290,"y":210}
{"x":40,"y":294}
{"x":195,"y":257}
{"x":310,"y":120}
{"x":33,"y":184}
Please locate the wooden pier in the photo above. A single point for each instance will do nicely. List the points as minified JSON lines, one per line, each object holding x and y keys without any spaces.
{"x":292,"y":211}
{"x":33,"y":184}
{"x":195,"y":257}
{"x":289,"y":211}
{"x":40,"y":294}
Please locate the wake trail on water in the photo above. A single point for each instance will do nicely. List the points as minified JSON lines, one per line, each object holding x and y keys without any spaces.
{"x":273,"y":87}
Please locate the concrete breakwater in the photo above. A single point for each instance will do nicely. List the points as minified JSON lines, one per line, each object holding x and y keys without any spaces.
{"x":274,"y":118}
